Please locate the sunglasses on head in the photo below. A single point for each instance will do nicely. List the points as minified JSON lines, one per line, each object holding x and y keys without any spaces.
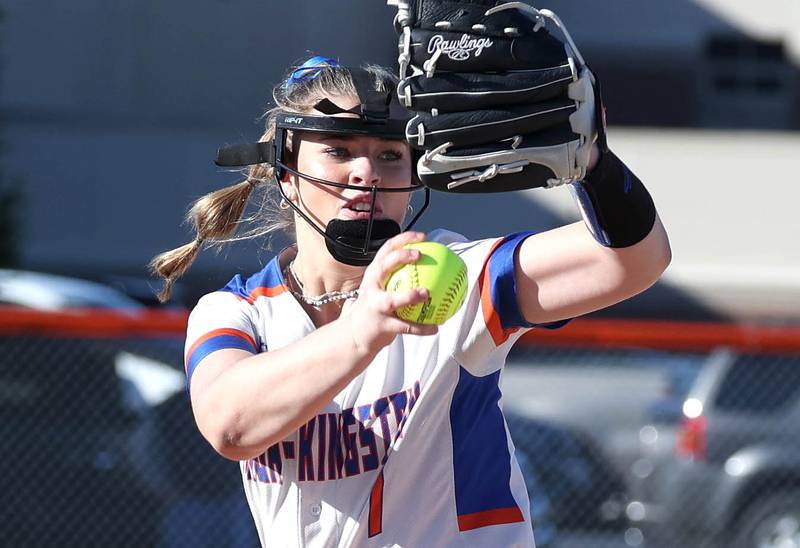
{"x":309,"y":70}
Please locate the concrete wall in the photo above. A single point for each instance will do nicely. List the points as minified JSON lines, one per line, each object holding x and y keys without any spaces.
{"x":113,"y":111}
{"x":729,"y":202}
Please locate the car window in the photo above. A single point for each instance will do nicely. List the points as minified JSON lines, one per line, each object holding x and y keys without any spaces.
{"x":761,"y":384}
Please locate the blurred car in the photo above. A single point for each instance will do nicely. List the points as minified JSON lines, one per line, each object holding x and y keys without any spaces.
{"x":67,"y":478}
{"x":100,"y":449}
{"x":726,"y":472}
{"x":545,"y":531}
{"x":583,"y":490}
{"x":98,"y":444}
{"x":43,"y":291}
{"x":145,"y":290}
{"x":605,"y":394}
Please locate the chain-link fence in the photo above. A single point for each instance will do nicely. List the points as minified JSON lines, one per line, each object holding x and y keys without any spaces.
{"x":666,"y":448}
{"x":99,"y":448}
{"x":618,"y":446}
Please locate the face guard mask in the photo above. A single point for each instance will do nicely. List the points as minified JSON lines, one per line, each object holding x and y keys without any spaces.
{"x":352,"y":242}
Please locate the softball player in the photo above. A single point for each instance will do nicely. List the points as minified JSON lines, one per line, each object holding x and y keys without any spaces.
{"x":351,"y":426}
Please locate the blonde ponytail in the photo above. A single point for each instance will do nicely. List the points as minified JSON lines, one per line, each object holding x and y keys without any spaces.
{"x":172,"y":264}
{"x":215,"y":217}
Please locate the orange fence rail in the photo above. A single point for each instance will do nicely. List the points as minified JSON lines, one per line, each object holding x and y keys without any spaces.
{"x":586,"y":332}
{"x":670,"y":335}
{"x":98,"y":323}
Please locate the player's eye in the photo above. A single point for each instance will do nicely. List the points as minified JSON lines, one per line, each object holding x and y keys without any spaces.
{"x":391,"y":155}
{"x":337,"y":152}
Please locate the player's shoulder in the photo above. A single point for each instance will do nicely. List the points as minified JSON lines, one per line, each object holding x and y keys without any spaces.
{"x":446,"y":237}
{"x":460,"y":244}
{"x":246,"y":292}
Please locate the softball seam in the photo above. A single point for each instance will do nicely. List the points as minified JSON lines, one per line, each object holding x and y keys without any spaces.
{"x":450,"y":296}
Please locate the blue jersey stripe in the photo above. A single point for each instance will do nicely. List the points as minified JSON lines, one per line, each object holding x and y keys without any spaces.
{"x":503,"y":285}
{"x":481,"y":459}
{"x":213,"y":344}
{"x":269,"y":278}
{"x":503,"y":281}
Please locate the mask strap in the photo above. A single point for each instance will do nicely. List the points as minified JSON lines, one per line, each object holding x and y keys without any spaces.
{"x":374,"y":104}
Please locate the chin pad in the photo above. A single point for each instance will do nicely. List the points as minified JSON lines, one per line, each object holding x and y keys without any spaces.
{"x":346,"y":240}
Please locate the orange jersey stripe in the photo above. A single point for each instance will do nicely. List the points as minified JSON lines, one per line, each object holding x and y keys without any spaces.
{"x":490,"y":315}
{"x":376,"y":507}
{"x":489,"y":517}
{"x":216,"y":333}
{"x":266,"y":292}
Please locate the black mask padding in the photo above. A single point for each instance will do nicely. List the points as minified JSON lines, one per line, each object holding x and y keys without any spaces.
{"x":346,"y":239}
{"x":245,"y":155}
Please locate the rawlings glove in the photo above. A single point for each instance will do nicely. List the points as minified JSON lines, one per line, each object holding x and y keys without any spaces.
{"x":500,"y":104}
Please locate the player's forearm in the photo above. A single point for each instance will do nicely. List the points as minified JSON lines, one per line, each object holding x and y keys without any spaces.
{"x":622,"y":272}
{"x":261,"y":399}
{"x":565,"y":272}
{"x":620,"y":214}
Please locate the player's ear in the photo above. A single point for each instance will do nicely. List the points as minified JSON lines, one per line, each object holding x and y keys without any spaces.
{"x":289,"y":186}
{"x":290,"y":156}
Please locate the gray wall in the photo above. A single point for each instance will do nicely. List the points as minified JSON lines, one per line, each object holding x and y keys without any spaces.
{"x":114,"y":110}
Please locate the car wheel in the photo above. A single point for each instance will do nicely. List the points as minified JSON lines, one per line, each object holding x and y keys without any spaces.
{"x":770,"y":522}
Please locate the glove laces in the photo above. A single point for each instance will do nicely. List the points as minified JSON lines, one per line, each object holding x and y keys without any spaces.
{"x":490,"y":172}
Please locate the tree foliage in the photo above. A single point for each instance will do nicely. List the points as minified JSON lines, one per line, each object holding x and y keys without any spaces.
{"x":10,"y":198}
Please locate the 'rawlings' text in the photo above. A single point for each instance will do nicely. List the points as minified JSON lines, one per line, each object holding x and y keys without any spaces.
{"x":461,"y":49}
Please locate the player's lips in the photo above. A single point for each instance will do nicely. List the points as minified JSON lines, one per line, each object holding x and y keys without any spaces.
{"x":359,"y":208}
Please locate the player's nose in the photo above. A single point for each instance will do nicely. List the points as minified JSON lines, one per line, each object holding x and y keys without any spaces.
{"x":364,"y":171}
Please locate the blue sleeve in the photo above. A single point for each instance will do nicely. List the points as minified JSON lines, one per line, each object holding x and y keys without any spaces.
{"x":503,"y":284}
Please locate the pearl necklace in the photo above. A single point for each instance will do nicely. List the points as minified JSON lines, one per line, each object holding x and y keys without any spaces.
{"x":319,"y":300}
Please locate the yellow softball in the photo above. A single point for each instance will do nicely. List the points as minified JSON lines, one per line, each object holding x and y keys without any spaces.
{"x":439,"y":270}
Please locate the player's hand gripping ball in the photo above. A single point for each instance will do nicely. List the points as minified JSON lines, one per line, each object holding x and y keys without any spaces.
{"x":439,"y":270}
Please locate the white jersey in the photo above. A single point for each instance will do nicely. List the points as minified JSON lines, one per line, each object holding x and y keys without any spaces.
{"x":414,"y":451}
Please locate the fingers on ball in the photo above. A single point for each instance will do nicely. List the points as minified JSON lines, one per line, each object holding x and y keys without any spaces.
{"x":404,"y":238}
{"x":424,"y":329}
{"x":408,"y":297}
{"x":410,"y":328}
{"x":397,"y":259}
{"x":402,"y":256}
